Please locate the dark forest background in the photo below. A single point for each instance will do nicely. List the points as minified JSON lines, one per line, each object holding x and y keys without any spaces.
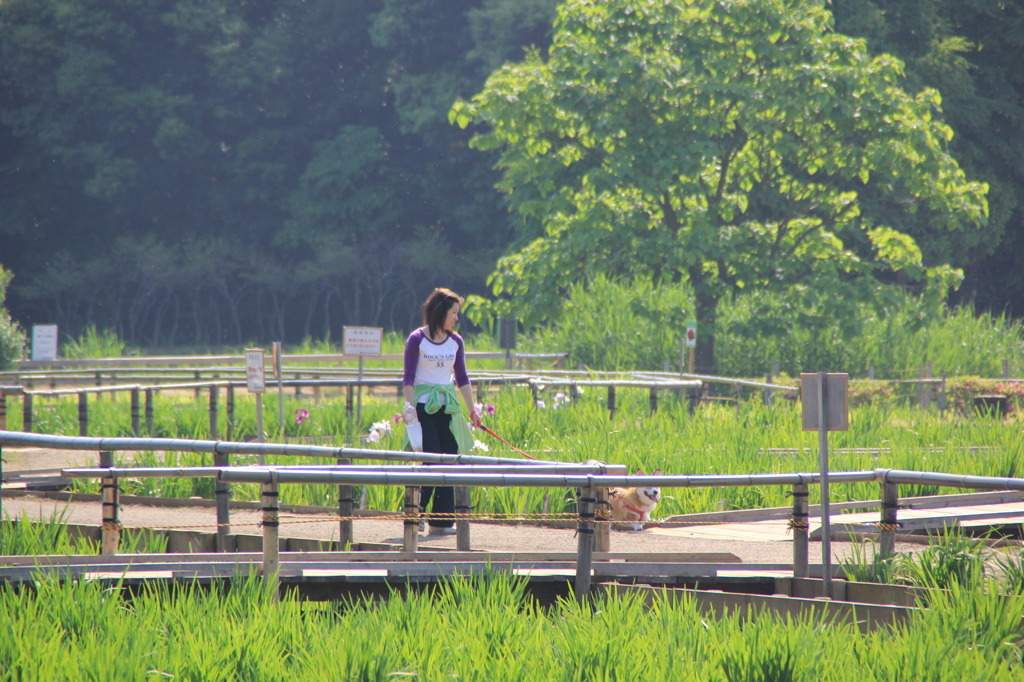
{"x":207,"y":172}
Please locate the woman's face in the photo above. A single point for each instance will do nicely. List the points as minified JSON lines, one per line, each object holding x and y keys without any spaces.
{"x":452,"y":317}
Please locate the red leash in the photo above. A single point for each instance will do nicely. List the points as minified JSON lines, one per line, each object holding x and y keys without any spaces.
{"x":493,"y":434}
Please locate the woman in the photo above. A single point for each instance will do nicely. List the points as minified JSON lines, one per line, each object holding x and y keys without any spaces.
{"x":434,"y":356}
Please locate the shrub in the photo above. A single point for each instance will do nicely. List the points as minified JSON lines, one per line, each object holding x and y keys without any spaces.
{"x":12,"y":338}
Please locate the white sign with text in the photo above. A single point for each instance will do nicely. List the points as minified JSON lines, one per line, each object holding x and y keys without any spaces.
{"x":44,"y":342}
{"x":363,"y":340}
{"x":255,"y":370}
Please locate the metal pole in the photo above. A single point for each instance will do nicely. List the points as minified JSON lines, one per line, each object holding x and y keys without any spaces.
{"x":136,"y":427}
{"x":3,"y":411}
{"x":345,"y":511}
{"x":271,"y":528}
{"x":585,"y":542}
{"x":410,"y":540}
{"x":800,"y":526}
{"x":462,"y":508}
{"x":111,"y":533}
{"x":260,"y":437}
{"x":611,"y":402}
{"x":887,"y":536}
{"x":654,"y":400}
{"x":826,"y":531}
{"x":83,"y":414}
{"x":359,"y":397}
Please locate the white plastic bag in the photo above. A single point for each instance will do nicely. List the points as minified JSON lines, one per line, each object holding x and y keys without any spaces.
{"x":415,"y":433}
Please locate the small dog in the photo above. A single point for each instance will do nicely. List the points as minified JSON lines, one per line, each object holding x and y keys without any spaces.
{"x":634,"y":505}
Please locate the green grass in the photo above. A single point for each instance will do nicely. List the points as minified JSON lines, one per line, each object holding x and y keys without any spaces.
{"x":484,"y":628}
{"x":20,"y":536}
{"x":717,"y":439}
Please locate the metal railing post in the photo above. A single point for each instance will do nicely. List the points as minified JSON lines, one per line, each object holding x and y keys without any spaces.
{"x":214,"y":390}
{"x":611,"y":402}
{"x":603,"y":535}
{"x":230,"y":416}
{"x":111,"y":533}
{"x":83,"y":414}
{"x":800,"y":526}
{"x":26,"y":413}
{"x":345,"y":511}
{"x":462,"y":507}
{"x":136,"y":428}
{"x":585,"y":541}
{"x":149,"y":412}
{"x":888,"y":525}
{"x":410,"y":540}
{"x":654,"y":400}
{"x":271,"y":532}
{"x":222,"y":493}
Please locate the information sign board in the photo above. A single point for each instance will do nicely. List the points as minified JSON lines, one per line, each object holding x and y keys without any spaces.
{"x":255,"y":370}
{"x":44,"y":342}
{"x":363,"y":340}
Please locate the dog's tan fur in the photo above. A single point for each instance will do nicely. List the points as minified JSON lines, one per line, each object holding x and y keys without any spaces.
{"x":626,"y":502}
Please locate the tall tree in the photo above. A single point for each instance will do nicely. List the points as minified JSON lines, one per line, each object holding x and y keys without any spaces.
{"x":737,"y":144}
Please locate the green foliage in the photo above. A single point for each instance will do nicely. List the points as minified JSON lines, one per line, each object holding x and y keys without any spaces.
{"x":492,"y":630}
{"x":51,"y":537}
{"x":631,"y":324}
{"x":742,"y":146}
{"x":94,"y":344}
{"x":12,"y":338}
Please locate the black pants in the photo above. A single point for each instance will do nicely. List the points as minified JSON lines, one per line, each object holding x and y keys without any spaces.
{"x":438,"y":438}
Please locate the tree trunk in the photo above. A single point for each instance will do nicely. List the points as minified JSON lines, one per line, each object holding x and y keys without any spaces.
{"x":707,"y":313}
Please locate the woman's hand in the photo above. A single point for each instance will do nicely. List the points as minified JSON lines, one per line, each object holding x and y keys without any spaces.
{"x":409,"y":413}
{"x":474,"y":419}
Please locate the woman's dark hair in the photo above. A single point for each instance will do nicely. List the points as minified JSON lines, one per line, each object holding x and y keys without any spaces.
{"x":436,"y":308}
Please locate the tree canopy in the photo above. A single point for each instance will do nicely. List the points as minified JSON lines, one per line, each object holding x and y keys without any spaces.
{"x":738,"y":144}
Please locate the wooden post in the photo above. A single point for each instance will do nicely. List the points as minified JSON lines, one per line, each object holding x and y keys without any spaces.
{"x":769,"y":396}
{"x":3,"y":411}
{"x":535,"y":394}
{"x":871,"y":372}
{"x":298,"y":386}
{"x":345,"y":511}
{"x":942,"y":396}
{"x":800,"y":525}
{"x":1006,"y":369}
{"x":149,"y":412}
{"x":222,"y":493}
{"x":230,"y":416}
{"x":26,"y":413}
{"x":99,"y":382}
{"x":736,"y":394}
{"x":922,"y":393}
{"x":349,"y":394}
{"x":654,"y":400}
{"x":198,"y":378}
{"x":111,"y":533}
{"x":317,"y":394}
{"x":574,"y":392}
{"x":887,"y":527}
{"x":611,"y":402}
{"x":602,"y":514}
{"x":410,"y":540}
{"x":462,"y":508}
{"x":83,"y":414}
{"x":136,"y":427}
{"x":271,"y":532}
{"x":585,"y":541}
{"x":214,"y":433}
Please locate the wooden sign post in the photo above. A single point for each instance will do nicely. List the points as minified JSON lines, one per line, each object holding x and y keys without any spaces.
{"x":825,"y":408}
{"x":362,"y":341}
{"x":255,"y":381}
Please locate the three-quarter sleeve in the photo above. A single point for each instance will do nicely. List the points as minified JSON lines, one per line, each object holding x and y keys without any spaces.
{"x":461,"y":375}
{"x":412,"y":357}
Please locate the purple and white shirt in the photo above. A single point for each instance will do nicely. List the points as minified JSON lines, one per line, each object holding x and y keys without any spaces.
{"x":427,"y":362}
